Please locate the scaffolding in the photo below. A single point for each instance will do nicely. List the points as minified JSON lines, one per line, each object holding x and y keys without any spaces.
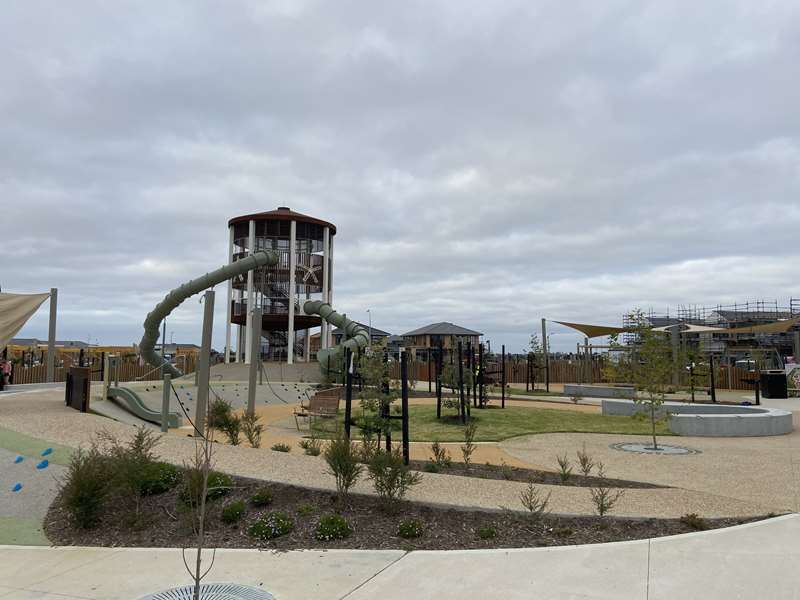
{"x":739,"y":314}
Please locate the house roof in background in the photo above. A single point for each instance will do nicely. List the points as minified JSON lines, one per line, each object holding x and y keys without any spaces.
{"x":375,"y":331}
{"x":443,"y":328}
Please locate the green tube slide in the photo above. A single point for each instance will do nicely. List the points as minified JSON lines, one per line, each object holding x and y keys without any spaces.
{"x":171,"y":301}
{"x":356,"y":335}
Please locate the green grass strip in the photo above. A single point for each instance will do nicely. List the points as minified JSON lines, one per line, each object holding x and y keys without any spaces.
{"x":32,"y":447}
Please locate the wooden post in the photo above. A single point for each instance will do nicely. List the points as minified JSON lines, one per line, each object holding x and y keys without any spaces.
{"x":51,"y":337}
{"x":203,"y":364}
{"x":255,"y":359}
{"x":165,"y":403}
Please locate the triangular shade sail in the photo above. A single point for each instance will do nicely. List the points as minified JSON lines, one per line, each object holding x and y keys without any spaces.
{"x":592,"y":331}
{"x":15,"y":310}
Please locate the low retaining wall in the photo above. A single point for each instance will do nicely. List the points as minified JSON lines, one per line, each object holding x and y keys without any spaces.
{"x":598,"y":391}
{"x":713,"y":420}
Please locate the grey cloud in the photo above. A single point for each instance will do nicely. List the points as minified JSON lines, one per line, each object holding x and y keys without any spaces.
{"x":485,"y":164}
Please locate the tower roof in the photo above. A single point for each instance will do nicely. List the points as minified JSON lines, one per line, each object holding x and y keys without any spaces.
{"x":282,"y":213}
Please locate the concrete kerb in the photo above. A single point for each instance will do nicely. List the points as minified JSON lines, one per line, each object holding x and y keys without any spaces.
{"x":712,"y":420}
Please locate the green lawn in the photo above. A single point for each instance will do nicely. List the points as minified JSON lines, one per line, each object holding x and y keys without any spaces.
{"x":495,"y":424}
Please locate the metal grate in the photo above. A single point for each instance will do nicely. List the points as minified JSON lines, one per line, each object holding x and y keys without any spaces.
{"x":213,"y":591}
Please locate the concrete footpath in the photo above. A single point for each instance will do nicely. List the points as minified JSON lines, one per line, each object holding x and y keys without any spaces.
{"x":750,"y":561}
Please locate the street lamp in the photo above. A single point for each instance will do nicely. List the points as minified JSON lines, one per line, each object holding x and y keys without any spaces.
{"x":369,"y":312}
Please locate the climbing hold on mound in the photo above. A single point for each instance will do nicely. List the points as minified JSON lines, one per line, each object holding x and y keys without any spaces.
{"x":19,"y":459}
{"x":43,"y":465}
{"x":17,"y":487}
{"x":47,"y":452}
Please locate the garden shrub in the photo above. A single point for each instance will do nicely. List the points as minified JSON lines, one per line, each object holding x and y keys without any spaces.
{"x":311,"y":446}
{"x":271,"y":526}
{"x":219,"y":485}
{"x":305,"y":509}
{"x":232,"y":428}
{"x":564,"y":468}
{"x":469,"y":443}
{"x":332,"y":527}
{"x":343,"y":464}
{"x":262,"y":497}
{"x":695,"y":521}
{"x":219,"y":413}
{"x":233,"y":512}
{"x":430,"y":468}
{"x":159,"y":477}
{"x":131,"y":465}
{"x":534,"y":502}
{"x":410,"y":528}
{"x":487,"y":533}
{"x":603,"y":496}
{"x":391,"y":477}
{"x":585,"y":461}
{"x":85,"y":486}
{"x":252,"y":429}
{"x":441,"y":457}
{"x":281,"y":447}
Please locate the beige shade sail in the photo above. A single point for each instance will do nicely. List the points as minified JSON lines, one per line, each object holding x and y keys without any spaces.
{"x":593,"y":331}
{"x":775,"y":327}
{"x":15,"y":310}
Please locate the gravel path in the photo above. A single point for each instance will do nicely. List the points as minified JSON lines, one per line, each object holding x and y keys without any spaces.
{"x":44,"y":416}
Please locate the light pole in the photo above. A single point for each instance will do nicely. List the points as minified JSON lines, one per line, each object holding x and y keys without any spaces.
{"x":369,"y":312}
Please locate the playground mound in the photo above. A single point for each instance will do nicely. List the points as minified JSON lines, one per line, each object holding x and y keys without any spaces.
{"x":163,"y":521}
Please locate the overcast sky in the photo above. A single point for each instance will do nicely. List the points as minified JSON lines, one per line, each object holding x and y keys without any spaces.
{"x":486,"y":163}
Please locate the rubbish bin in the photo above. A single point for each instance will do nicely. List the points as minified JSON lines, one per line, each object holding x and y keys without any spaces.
{"x":773,"y":384}
{"x":79,"y":381}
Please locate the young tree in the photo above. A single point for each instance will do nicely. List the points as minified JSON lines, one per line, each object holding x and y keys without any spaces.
{"x":651,"y":368}
{"x":379,"y":391}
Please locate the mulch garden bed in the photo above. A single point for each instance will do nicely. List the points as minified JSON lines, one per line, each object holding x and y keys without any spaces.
{"x":162,"y":523}
{"x":509,"y":473}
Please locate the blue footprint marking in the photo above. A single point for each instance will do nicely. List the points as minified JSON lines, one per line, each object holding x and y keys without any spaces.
{"x":43,"y":465}
{"x":17,"y":487}
{"x":47,"y":452}
{"x":18,"y":460}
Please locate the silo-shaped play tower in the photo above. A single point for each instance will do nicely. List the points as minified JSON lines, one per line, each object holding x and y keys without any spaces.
{"x":305,"y":246}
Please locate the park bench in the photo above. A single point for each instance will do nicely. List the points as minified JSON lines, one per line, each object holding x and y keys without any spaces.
{"x":324,"y":403}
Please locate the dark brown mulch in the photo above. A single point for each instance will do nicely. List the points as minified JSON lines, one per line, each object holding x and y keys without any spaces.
{"x":509,"y":473}
{"x":163,"y":524}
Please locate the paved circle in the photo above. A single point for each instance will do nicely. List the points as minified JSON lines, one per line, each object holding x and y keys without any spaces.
{"x":643,"y":448}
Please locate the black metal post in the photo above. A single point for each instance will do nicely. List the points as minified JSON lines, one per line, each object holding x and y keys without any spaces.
{"x":482,"y":399}
{"x":469,"y":367}
{"x":527,"y":373}
{"x":691,"y":379}
{"x":503,"y":375}
{"x":462,"y":412}
{"x":348,"y":398}
{"x":758,"y":384}
{"x":429,"y":370}
{"x":404,"y":404}
{"x":439,"y":382}
{"x":102,"y":366}
{"x":711,"y":371}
